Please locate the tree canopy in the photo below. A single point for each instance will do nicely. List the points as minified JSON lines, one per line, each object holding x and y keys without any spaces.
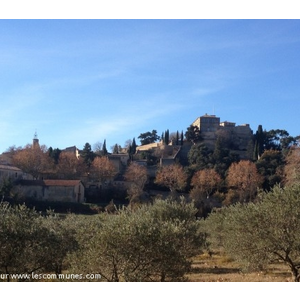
{"x":172,"y":177}
{"x":193,"y":134}
{"x":148,"y":137}
{"x":244,"y":178}
{"x":256,"y":234}
{"x":30,"y":242}
{"x":150,"y":243}
{"x":87,"y":154}
{"x":136,"y":176}
{"x":206,"y":181}
{"x":102,"y":169}
{"x":33,"y":160}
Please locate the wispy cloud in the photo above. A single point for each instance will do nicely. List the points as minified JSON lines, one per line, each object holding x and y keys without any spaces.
{"x":125,"y":120}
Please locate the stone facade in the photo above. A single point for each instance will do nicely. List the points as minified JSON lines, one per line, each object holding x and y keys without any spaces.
{"x":52,"y":190}
{"x":120,"y":161}
{"x":207,"y":123}
{"x":11,"y":172}
{"x":211,"y":127}
{"x":74,"y":150}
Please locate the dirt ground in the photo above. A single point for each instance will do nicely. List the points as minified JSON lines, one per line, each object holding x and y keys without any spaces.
{"x":219,"y":268}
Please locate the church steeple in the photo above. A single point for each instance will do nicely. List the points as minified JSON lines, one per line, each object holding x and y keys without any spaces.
{"x":35,"y":141}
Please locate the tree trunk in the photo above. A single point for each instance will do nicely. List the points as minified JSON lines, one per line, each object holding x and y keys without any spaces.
{"x":295,"y":272}
{"x":294,"y":268}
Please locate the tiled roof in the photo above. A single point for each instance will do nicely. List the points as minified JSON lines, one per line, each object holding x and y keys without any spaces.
{"x":62,"y":182}
{"x":50,"y":182}
{"x":9,"y":167}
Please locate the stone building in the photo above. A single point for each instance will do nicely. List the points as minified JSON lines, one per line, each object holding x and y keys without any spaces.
{"x":240,"y":135}
{"x":52,"y":190}
{"x":207,"y":123}
{"x":120,"y":161}
{"x":11,"y":172}
{"x":74,"y":150}
{"x":211,"y":128}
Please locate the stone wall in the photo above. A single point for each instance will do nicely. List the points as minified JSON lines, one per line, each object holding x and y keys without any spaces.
{"x":40,"y":190}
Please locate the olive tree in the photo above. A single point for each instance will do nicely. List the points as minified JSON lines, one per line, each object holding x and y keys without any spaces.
{"x":60,"y":241}
{"x":151,"y":243}
{"x":30,"y":242}
{"x":256,"y":234}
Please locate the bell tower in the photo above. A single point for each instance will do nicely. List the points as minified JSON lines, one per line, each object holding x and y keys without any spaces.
{"x":35,"y":141}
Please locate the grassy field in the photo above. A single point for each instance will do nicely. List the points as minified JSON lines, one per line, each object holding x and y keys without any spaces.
{"x":219,"y":268}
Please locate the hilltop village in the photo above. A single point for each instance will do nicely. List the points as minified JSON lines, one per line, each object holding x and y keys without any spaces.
{"x":171,"y":195}
{"x":74,"y":175}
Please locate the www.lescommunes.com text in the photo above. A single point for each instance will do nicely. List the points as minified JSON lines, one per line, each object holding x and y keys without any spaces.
{"x":37,"y":276}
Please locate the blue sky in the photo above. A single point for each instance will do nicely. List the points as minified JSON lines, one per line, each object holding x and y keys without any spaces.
{"x":78,"y":81}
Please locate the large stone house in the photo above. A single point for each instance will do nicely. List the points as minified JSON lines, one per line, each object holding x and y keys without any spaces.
{"x":74,"y":150}
{"x":211,"y":127}
{"x":52,"y":190}
{"x":8,"y":171}
{"x":120,"y":161}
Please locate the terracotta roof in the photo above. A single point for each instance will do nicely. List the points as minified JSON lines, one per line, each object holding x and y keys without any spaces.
{"x":50,"y":182}
{"x":9,"y":167}
{"x":62,"y":182}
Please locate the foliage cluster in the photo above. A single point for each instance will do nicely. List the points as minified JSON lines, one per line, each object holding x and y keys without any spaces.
{"x":31,"y":243}
{"x":256,"y":234}
{"x":150,"y":243}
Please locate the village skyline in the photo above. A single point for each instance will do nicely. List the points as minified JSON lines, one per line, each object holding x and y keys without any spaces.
{"x":110,"y":146}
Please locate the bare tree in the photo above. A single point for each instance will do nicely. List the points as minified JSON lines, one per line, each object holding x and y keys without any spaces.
{"x":137,"y":176}
{"x":102,"y":169}
{"x":292,"y":167}
{"x":97,"y":147}
{"x":172,"y":177}
{"x":33,"y":160}
{"x":69,"y":166}
{"x":206,"y":181}
{"x":245,"y":179}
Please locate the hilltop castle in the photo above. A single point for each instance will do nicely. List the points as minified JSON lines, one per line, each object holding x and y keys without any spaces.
{"x":211,"y":128}
{"x":237,"y":138}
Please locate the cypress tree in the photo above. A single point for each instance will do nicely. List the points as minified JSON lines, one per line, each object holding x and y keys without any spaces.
{"x":133,"y":146}
{"x":104,"y":149}
{"x":259,"y":142}
{"x":167,"y":137}
{"x":218,"y":153}
{"x":255,"y":151}
{"x":181,"y":138}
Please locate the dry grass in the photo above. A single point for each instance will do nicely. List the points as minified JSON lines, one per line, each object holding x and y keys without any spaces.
{"x":220,"y":268}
